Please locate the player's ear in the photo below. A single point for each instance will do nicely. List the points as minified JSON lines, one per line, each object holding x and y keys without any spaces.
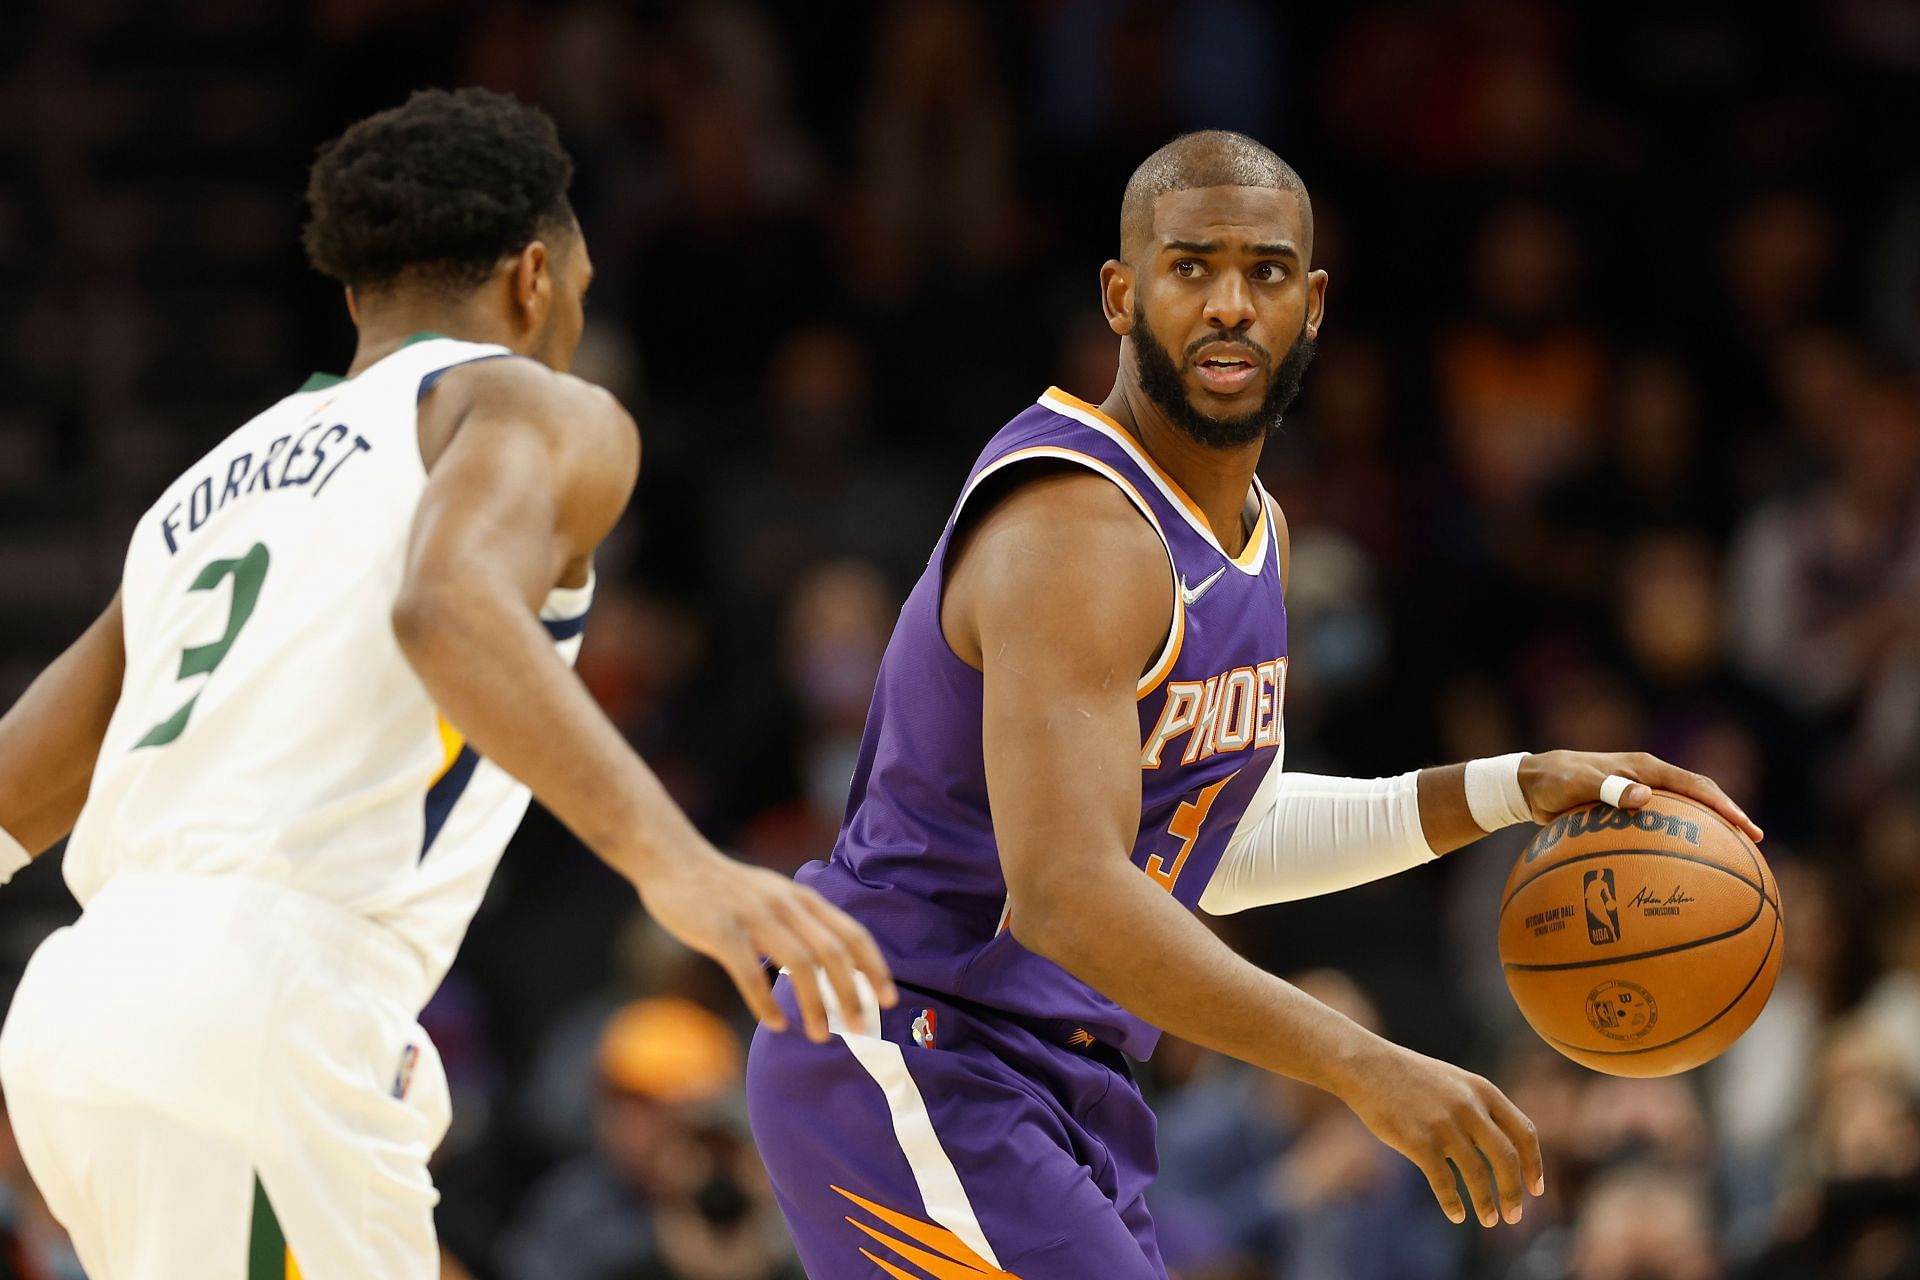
{"x":1116,"y":295}
{"x":531,"y":280}
{"x":353,"y":307}
{"x":1316,"y":303}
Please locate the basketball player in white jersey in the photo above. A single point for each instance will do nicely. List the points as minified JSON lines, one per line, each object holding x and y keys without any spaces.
{"x":291,"y":750}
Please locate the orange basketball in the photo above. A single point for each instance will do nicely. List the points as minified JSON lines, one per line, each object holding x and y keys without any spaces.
{"x":1641,"y":943}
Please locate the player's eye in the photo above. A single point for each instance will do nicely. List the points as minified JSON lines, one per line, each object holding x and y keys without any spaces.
{"x":1270,"y":273}
{"x":1187,"y":268}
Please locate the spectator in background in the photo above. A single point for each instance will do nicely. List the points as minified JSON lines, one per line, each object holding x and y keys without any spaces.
{"x":641,"y":659}
{"x":816,"y":481}
{"x":1646,"y":1222}
{"x":1281,"y":1176}
{"x":839,"y":616}
{"x":1776,"y":255}
{"x":1517,"y":387}
{"x":1816,"y":376}
{"x":557,"y":1106}
{"x":936,"y":162}
{"x":1855,"y":1212}
{"x":1455,"y":86}
{"x":1826,"y":588}
{"x":1648,"y":474}
{"x":1519,"y":380}
{"x":1669,"y":616}
{"x":1757,"y":1089}
{"x":1895,"y":280}
{"x":673,"y":1189}
{"x":1891,"y":856}
{"x":1618,"y":1144}
{"x":1775,"y":258}
{"x":1338,"y":466}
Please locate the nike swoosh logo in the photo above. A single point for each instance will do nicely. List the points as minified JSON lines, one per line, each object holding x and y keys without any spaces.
{"x":1192,"y":594}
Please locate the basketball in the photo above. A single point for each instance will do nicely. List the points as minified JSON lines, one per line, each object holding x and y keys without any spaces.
{"x":1641,"y":942}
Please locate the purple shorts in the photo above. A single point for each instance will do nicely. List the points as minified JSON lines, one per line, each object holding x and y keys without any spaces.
{"x":955,"y":1143}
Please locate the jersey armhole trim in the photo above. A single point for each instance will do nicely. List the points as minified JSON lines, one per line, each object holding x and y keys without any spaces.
{"x":428,"y":382}
{"x":1252,"y":557}
{"x":431,"y":379}
{"x":1177,"y":625}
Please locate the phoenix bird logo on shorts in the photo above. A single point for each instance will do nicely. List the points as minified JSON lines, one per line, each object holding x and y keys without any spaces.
{"x":923,"y":1028}
{"x":1603,"y":913}
{"x":930,"y":1250}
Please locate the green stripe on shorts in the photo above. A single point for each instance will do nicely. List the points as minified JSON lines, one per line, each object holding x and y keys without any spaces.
{"x":267,"y":1246}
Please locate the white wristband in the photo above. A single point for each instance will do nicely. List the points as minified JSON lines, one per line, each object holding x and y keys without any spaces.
{"x":13,"y":856}
{"x":1494,"y":796}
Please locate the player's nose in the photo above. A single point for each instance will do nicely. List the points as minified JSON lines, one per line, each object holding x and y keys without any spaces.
{"x":1230,"y":301}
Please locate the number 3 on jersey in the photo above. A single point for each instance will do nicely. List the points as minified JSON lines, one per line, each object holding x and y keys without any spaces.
{"x":1185,"y":827}
{"x":248,"y":572}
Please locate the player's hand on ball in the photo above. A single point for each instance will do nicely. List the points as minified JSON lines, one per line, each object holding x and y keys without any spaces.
{"x":1432,"y":1112}
{"x":735,"y":914}
{"x":1556,"y":781}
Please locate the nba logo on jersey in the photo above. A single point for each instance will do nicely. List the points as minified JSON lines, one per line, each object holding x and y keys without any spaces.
{"x":923,"y":1029}
{"x":403,"y":1075}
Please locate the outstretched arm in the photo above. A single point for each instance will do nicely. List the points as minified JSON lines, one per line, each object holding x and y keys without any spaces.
{"x":51,"y":737}
{"x":1304,"y":835}
{"x":1061,"y":641}
{"x":537,"y":468}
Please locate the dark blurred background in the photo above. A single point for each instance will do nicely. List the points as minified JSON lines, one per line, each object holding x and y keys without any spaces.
{"x":1613,"y":442}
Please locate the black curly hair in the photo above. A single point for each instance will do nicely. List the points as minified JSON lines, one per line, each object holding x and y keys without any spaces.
{"x":437,"y":191}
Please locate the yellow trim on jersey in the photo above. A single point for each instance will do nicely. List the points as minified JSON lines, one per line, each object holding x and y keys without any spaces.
{"x":293,"y":1268}
{"x":450,"y":744}
{"x":1249,"y":559}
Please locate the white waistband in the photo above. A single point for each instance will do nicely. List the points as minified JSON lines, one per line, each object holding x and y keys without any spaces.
{"x":253,"y":912}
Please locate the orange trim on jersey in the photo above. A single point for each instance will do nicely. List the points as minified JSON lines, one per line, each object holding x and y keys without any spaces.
{"x":1256,"y":548}
{"x":950,"y":1257}
{"x":1164,"y":668}
{"x":1176,"y":631}
{"x":1273,"y":525}
{"x":450,"y":744}
{"x":1249,"y":558}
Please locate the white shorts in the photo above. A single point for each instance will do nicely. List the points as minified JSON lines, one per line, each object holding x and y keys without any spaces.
{"x":211,"y":1078}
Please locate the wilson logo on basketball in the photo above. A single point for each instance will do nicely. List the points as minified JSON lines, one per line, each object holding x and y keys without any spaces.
{"x":1604,"y":818}
{"x":1603,"y":911}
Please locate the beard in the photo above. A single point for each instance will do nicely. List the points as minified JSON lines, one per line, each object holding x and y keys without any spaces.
{"x":1160,"y":379}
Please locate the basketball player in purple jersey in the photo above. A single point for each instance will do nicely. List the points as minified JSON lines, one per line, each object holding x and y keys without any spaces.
{"x":1075,"y":741}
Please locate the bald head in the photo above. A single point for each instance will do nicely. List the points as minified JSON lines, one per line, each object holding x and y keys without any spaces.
{"x":1212,"y":158}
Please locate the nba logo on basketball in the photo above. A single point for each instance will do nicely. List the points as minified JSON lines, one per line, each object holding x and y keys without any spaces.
{"x":1603,"y":914}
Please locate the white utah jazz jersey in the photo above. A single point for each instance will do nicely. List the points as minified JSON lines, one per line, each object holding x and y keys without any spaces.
{"x":269,"y":725}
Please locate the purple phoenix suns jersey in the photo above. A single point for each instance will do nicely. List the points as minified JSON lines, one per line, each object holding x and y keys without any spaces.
{"x":916,"y":860}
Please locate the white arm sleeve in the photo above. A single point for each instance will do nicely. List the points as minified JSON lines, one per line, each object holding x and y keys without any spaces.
{"x":1305,"y":835}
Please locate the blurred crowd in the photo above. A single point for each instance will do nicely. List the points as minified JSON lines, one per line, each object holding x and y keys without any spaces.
{"x":1613,"y":443}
